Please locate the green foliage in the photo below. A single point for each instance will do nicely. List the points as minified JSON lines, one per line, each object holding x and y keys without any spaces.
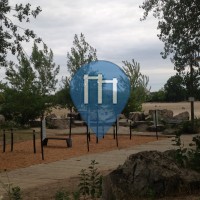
{"x":179,"y":24}
{"x":12,"y":35}
{"x":90,"y":182}
{"x":138,"y":83}
{"x":30,"y":84}
{"x":158,"y":96}
{"x":194,"y":154}
{"x":12,"y":193}
{"x":76,"y":195}
{"x":151,"y":194}
{"x":62,"y":97}
{"x":175,"y":89}
{"x":62,"y":195}
{"x":188,"y":127}
{"x":81,"y":54}
{"x":180,"y":154}
{"x":84,"y":183}
{"x":187,"y":157}
{"x":16,"y":193}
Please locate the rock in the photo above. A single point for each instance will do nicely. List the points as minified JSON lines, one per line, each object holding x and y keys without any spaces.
{"x":149,"y":171}
{"x":162,"y":114}
{"x":56,"y":123}
{"x":136,"y":116}
{"x":184,"y":116}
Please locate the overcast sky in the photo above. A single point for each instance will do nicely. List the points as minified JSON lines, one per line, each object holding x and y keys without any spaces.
{"x":113,"y":27}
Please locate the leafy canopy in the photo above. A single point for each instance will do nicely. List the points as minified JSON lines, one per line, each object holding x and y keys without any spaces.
{"x":81,"y":53}
{"x":11,"y":34}
{"x":139,"y":86}
{"x":179,"y":25}
{"x":28,"y":92}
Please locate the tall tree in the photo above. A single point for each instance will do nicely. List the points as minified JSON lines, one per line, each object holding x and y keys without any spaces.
{"x":29,"y":87}
{"x":179,"y":26}
{"x":175,"y":89}
{"x":11,"y":34}
{"x":81,"y":54}
{"x":139,"y":86}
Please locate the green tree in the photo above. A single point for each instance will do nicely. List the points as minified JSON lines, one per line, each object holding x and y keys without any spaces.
{"x":175,"y":89}
{"x":11,"y":34}
{"x":29,"y":87}
{"x":139,"y":86}
{"x":157,"y":96}
{"x":179,"y":26}
{"x":81,"y":54}
{"x":195,"y":82}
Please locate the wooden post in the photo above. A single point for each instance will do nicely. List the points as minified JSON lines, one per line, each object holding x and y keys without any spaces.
{"x":41,"y":139}
{"x":4,"y":141}
{"x":130,"y":130}
{"x":34,"y":146}
{"x":11,"y":137}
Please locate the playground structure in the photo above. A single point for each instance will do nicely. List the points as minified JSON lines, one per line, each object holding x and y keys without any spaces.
{"x":44,"y":138}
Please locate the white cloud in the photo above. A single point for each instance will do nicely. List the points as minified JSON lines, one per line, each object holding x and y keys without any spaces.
{"x":113,"y":27}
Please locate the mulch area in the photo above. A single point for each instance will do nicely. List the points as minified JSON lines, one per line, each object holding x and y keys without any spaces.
{"x":23,"y":155}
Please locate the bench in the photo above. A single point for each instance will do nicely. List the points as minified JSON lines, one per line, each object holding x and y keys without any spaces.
{"x":68,"y":140}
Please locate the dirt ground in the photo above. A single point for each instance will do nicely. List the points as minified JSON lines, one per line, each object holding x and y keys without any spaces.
{"x":23,"y":155}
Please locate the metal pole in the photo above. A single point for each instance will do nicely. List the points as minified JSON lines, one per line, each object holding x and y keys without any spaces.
{"x":156,"y":124}
{"x":4,"y":141}
{"x":11,"y":136}
{"x":70,"y":123}
{"x":130,"y":131}
{"x":88,"y":137}
{"x":41,"y":137}
{"x":34,"y":146}
{"x":116,"y":135}
{"x":114,"y":132}
{"x":192,"y":95}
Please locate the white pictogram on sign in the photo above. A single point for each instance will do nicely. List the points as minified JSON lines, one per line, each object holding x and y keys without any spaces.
{"x":100,"y":81}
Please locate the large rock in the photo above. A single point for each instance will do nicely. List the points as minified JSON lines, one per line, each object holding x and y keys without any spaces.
{"x":164,"y":114}
{"x":57,"y":123}
{"x":149,"y":172}
{"x":184,"y":116}
{"x":136,"y":116}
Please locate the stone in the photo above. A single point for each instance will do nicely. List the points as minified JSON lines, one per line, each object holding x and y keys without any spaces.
{"x":136,"y":116}
{"x":164,"y":114}
{"x":184,"y":116}
{"x":56,"y":123}
{"x":149,"y":172}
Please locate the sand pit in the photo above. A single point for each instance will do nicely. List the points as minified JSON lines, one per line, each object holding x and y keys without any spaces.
{"x":23,"y":155}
